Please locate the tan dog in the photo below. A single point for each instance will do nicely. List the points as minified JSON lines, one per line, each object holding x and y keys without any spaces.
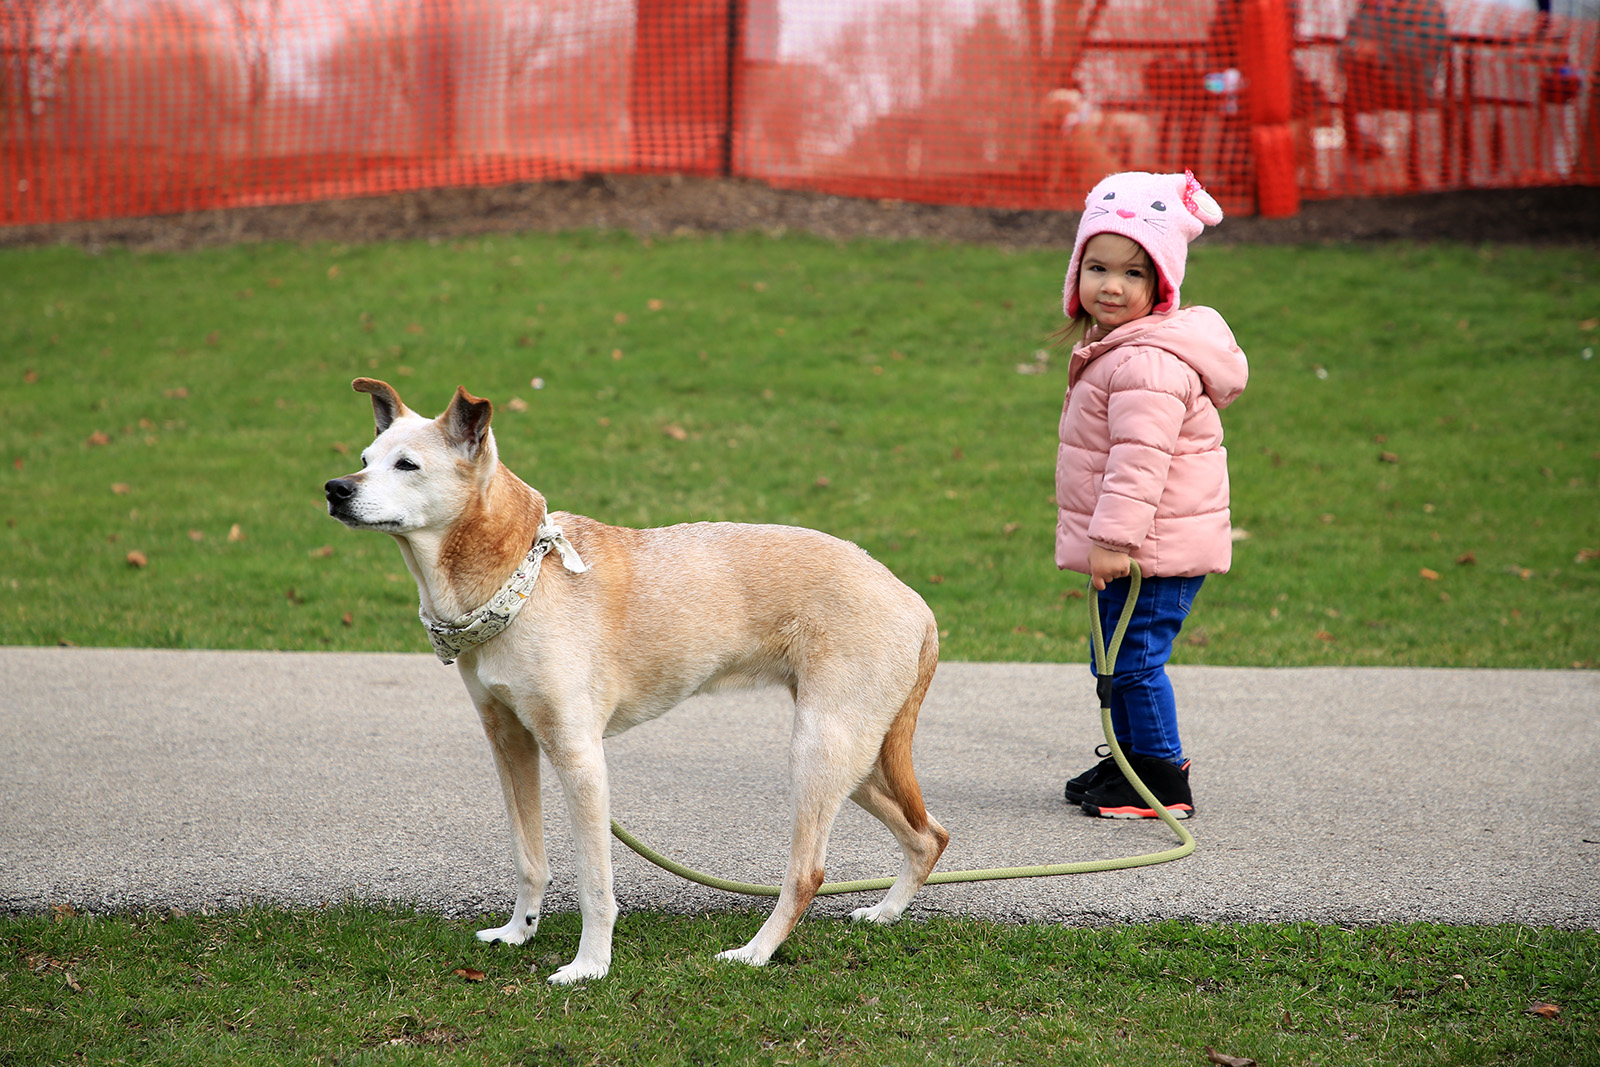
{"x":623,"y":625}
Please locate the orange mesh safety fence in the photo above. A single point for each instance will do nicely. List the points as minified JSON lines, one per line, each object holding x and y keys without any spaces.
{"x":138,"y":107}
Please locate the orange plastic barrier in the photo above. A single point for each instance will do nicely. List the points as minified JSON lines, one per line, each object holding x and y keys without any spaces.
{"x":127,"y":107}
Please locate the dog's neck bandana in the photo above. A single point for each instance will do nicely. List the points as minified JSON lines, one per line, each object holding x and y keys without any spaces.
{"x":450,"y":639}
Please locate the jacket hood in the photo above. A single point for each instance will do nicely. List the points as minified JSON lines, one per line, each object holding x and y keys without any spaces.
{"x":1196,"y":335}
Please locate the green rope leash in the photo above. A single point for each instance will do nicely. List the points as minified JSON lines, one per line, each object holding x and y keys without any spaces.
{"x":1105,"y":664}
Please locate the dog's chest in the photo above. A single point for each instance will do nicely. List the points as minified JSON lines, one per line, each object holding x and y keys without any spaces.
{"x":511,"y":681}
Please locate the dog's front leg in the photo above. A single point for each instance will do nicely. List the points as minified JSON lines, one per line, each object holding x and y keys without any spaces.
{"x":581,"y":766}
{"x":516,"y":761}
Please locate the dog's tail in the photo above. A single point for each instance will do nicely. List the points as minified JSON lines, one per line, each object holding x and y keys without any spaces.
{"x":894,"y":757}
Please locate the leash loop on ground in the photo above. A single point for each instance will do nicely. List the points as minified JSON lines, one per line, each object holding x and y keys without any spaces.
{"x":1105,"y":660}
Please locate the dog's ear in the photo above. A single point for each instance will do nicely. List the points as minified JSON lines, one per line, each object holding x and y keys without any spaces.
{"x":386,"y":403}
{"x":466,"y":422}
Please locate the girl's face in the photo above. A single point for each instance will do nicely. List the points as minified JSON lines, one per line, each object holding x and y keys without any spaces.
{"x":1116,"y":280}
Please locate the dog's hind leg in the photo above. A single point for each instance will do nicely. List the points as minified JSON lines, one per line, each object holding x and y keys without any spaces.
{"x":821,"y":781}
{"x":892,"y":795}
{"x":800,"y":883}
{"x":921,"y":838}
{"x":516,"y":761}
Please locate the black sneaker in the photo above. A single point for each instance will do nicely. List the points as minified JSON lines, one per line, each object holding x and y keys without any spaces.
{"x":1119,"y":800}
{"x":1103,"y":773}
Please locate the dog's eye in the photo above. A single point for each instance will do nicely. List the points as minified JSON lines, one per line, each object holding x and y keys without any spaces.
{"x":405,"y":465}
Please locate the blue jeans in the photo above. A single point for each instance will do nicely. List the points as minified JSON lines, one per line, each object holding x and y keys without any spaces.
{"x":1144,"y":713}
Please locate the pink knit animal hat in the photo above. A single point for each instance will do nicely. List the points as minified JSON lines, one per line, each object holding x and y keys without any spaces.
{"x":1162,"y":213}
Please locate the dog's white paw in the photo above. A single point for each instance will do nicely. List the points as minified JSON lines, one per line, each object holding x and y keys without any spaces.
{"x":515,"y":932}
{"x":882,"y":914}
{"x":747,"y":955}
{"x":579,"y":971}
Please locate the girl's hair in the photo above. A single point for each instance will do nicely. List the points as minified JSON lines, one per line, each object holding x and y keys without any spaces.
{"x":1072,"y":331}
{"x":1076,"y":328}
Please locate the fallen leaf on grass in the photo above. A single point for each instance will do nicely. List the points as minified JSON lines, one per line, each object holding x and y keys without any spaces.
{"x":1543,"y":1010}
{"x":322,"y":553}
{"x":235,"y":534}
{"x":516,"y":403}
{"x":1228,"y":1061}
{"x":1586,"y":555}
{"x":137,"y":559}
{"x":1388,"y":457}
{"x":676,"y":432}
{"x":1466,"y":559}
{"x":1428,"y":574}
{"x":98,"y":438}
{"x":439,"y":1035}
{"x":121,"y":488}
{"x":469,"y":974}
{"x":1323,"y":635}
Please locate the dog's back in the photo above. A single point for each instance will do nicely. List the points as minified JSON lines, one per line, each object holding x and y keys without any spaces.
{"x":718,"y":605}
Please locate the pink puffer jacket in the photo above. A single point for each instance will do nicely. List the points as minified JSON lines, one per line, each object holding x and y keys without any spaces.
{"x":1141,"y":468}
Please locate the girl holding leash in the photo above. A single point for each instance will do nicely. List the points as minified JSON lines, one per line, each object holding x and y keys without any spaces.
{"x":1141,"y":473}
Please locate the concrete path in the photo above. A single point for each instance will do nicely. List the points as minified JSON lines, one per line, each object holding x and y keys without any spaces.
{"x":153,"y":779}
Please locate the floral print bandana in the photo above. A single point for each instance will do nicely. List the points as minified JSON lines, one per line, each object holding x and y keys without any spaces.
{"x":452,"y":638}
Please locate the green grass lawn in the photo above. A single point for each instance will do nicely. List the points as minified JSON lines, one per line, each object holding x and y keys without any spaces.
{"x":357,"y":985}
{"x":1416,"y":464}
{"x":1415,"y":460}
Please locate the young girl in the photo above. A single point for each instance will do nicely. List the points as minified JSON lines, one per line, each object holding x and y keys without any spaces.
{"x":1141,"y":473}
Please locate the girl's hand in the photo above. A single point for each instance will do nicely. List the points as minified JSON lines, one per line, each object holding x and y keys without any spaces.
{"x":1106,"y":565}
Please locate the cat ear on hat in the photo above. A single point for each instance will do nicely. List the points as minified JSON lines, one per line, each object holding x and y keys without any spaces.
{"x":1200,"y":203}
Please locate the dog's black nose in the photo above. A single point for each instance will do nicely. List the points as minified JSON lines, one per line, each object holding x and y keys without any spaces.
{"x":340,"y":490}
